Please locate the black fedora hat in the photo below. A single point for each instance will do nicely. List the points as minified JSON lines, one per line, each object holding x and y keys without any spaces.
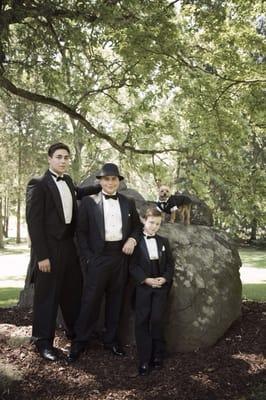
{"x":109,"y":169}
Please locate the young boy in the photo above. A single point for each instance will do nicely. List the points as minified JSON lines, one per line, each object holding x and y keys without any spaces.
{"x":152,"y":268}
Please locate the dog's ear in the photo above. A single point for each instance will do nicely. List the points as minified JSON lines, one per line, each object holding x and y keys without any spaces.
{"x":158,"y":183}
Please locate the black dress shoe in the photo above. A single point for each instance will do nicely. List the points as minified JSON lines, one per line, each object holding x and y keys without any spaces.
{"x":144,"y":369}
{"x":75,"y":351}
{"x":116,"y":349}
{"x":47,"y":352}
{"x":157,"y":363}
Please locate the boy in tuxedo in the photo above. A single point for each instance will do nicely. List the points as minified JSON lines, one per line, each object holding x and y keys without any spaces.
{"x":108,"y":231}
{"x":152,"y":268}
{"x":51,"y":211}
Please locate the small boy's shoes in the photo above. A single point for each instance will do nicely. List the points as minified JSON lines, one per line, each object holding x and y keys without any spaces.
{"x":144,"y":369}
{"x":157,"y":363}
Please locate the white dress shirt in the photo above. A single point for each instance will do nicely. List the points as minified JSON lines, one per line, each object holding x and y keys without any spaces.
{"x":152,"y":248}
{"x":112,"y":219}
{"x":66,"y":198}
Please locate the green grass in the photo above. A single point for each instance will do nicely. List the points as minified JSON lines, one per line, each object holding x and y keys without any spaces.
{"x":254,"y":291}
{"x":253,"y":258}
{"x":9,"y":296}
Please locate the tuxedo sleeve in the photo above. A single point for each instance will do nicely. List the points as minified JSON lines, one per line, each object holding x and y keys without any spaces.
{"x":135,"y":269}
{"x":87,"y":190}
{"x":169,"y":263}
{"x":137,"y":226}
{"x":35,"y":218}
{"x":83,"y":231}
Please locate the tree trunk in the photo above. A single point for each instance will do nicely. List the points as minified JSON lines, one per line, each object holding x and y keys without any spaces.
{"x":1,"y":225}
{"x":6,"y":215}
{"x":254,"y":224}
{"x":18,"y":238}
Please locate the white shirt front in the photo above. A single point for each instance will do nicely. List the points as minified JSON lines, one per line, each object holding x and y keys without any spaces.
{"x":66,"y":198}
{"x":112,"y":220}
{"x":152,"y":248}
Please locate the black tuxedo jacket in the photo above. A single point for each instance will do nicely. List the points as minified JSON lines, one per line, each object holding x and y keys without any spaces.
{"x":44,"y":211}
{"x":140,"y":264}
{"x":91,"y":230}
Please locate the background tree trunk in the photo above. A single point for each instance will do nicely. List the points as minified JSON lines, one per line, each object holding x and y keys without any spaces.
{"x":1,"y":225}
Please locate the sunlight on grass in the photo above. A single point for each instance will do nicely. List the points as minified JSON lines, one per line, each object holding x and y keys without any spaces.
{"x":9,"y":296}
{"x":254,"y":291}
{"x":253,"y":257}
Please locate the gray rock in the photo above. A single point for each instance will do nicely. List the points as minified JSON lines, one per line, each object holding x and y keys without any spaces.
{"x":206,"y":294}
{"x":205,"y":298}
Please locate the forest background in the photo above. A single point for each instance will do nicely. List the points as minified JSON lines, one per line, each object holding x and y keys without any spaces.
{"x":169,"y":90}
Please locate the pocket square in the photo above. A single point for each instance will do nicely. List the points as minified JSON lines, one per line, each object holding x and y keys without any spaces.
{"x":163,"y":248}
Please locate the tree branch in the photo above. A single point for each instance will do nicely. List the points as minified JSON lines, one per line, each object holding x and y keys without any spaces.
{"x":72,"y":113}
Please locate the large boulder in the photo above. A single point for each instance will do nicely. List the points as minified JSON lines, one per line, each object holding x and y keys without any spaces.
{"x":205,"y":297}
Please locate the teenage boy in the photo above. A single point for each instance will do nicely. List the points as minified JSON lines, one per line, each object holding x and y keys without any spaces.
{"x":51,"y":211}
{"x":152,"y":268}
{"x":108,"y":231}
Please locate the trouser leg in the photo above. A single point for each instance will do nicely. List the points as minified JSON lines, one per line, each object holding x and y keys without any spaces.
{"x":95,"y":280}
{"x":114,"y":297}
{"x":71,"y":288}
{"x":142,"y":323}
{"x":159,"y":301}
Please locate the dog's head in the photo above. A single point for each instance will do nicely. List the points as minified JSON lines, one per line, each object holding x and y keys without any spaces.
{"x":164,"y":192}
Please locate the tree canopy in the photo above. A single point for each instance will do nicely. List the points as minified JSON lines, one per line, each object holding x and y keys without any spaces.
{"x":173,"y":90}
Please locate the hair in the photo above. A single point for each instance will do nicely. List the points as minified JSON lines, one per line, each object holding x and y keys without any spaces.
{"x":57,"y":146}
{"x":152,"y":212}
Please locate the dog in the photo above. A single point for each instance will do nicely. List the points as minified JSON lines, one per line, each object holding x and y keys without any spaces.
{"x":171,"y":204}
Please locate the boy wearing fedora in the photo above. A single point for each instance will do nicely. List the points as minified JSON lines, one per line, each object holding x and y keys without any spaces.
{"x":108,"y":231}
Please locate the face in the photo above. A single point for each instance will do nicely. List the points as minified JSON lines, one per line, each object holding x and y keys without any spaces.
{"x":152,"y":225}
{"x":164,"y":192}
{"x":59,"y":161}
{"x":109,"y":184}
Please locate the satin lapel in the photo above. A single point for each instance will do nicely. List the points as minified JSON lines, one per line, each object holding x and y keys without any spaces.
{"x":56,"y":195}
{"x":72,"y":190}
{"x":144,"y":249}
{"x":124,"y":213}
{"x":99,"y":217}
{"x":160,"y":246}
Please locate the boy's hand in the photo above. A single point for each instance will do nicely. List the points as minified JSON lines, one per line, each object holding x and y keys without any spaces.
{"x":129,"y":246}
{"x":152,"y":282}
{"x":44,"y":265}
{"x":161,"y":281}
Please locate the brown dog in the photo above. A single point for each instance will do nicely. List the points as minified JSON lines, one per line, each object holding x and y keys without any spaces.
{"x":170,"y":204}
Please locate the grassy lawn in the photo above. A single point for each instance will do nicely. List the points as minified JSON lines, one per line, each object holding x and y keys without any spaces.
{"x":257,"y":259}
{"x":254,"y":291}
{"x":9,"y":296}
{"x":250,"y":257}
{"x":253,"y":258}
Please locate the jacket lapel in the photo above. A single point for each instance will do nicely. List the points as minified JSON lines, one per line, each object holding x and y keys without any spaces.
{"x":124,"y":214}
{"x":144,"y":249}
{"x":99,"y":218}
{"x":55,"y":193}
{"x":160,"y":246}
{"x":73,"y":193}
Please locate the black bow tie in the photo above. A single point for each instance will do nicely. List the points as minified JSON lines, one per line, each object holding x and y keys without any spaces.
{"x":108,"y":196}
{"x":58,"y":178}
{"x":149,"y":237}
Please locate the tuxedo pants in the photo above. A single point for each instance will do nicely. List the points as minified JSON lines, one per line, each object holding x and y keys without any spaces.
{"x":105,"y":276}
{"x":149,"y":318}
{"x":60,"y":287}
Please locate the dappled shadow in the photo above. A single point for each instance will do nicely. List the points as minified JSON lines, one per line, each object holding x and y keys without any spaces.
{"x":230,"y":369}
